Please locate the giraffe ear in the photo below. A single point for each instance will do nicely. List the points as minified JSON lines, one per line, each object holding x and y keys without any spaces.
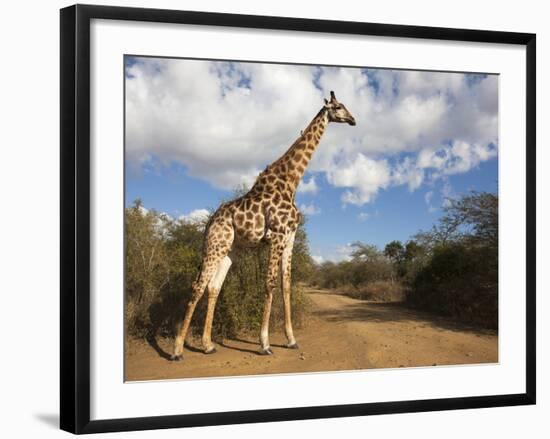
{"x":326,"y":102}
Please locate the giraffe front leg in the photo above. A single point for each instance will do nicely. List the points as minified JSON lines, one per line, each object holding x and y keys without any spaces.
{"x":286,"y":263}
{"x":275,"y":252}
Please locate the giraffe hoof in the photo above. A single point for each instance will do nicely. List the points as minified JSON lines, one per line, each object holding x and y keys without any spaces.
{"x":293,"y":346}
{"x":211,"y":350}
{"x":176,"y":357}
{"x":266,"y":351}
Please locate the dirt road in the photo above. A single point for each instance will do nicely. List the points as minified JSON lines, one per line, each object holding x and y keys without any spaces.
{"x":341,"y":334}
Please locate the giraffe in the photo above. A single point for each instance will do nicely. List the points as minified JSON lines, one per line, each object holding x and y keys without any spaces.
{"x":268,"y":213}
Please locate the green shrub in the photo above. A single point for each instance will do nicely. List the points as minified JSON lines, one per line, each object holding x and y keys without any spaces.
{"x":147,"y":271}
{"x":450,"y":270}
{"x":460,"y":282}
{"x":163,"y":258}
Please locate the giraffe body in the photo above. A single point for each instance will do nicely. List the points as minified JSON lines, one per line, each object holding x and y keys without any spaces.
{"x":265,"y":213}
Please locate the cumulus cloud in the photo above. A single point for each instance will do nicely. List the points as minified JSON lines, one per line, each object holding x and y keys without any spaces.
{"x":162,"y":220}
{"x":456,"y":158}
{"x":446,"y":194}
{"x":308,"y":187}
{"x":408,"y":172}
{"x":335,"y":253}
{"x":195,"y":216}
{"x":143,"y":210}
{"x":309,"y":209}
{"x":318,"y":259}
{"x":366,"y":176}
{"x":343,"y":253}
{"x":224,"y":122}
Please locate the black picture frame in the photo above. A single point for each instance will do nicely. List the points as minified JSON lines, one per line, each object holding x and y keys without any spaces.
{"x":75,"y":217}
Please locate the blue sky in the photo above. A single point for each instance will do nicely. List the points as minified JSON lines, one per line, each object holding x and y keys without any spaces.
{"x":195,"y":130}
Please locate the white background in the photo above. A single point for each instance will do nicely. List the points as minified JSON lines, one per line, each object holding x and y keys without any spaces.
{"x":30,"y":201}
{"x":111,"y":398}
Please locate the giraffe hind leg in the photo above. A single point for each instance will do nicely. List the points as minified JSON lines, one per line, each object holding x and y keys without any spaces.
{"x":214,"y":288}
{"x":215,"y":251}
{"x":198,"y":290}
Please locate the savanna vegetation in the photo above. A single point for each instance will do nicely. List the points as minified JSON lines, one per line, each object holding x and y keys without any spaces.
{"x":163,"y":258}
{"x":450,"y":270}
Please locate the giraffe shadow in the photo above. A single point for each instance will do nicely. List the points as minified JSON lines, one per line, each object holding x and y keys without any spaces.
{"x":193,"y":348}
{"x":152,"y":341}
{"x":237,"y":348}
{"x":241,"y":340}
{"x":383,"y":312}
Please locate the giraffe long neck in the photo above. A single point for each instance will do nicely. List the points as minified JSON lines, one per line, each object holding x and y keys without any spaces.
{"x":293,"y":163}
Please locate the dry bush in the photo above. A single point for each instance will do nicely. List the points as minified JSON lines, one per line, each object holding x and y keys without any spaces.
{"x":459,"y":282}
{"x":163,"y":258}
{"x":377,"y":291}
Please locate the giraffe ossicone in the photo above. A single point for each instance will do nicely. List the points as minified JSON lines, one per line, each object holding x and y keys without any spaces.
{"x":267,"y":212}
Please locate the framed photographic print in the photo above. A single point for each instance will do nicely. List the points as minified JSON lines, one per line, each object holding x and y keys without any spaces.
{"x":268,"y":218}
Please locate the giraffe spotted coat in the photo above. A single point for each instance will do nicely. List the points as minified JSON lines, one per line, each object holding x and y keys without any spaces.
{"x":267,"y":212}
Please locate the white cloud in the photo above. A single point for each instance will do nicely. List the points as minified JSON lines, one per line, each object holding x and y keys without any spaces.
{"x":224,"y":122}
{"x":456,"y":158}
{"x":162,"y":221}
{"x":195,"y":216}
{"x":143,"y":210}
{"x":446,"y":194}
{"x":309,"y":209}
{"x":309,"y":187}
{"x":366,"y":176}
{"x":408,"y":172}
{"x":318,"y":259}
{"x":195,"y":113}
{"x":428,"y":197}
{"x":363,"y":216}
{"x":343,"y":253}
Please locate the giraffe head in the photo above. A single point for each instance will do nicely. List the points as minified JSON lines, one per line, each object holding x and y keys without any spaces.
{"x":337,"y":112}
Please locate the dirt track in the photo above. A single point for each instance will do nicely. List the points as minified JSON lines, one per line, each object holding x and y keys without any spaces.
{"x":341,"y":334}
